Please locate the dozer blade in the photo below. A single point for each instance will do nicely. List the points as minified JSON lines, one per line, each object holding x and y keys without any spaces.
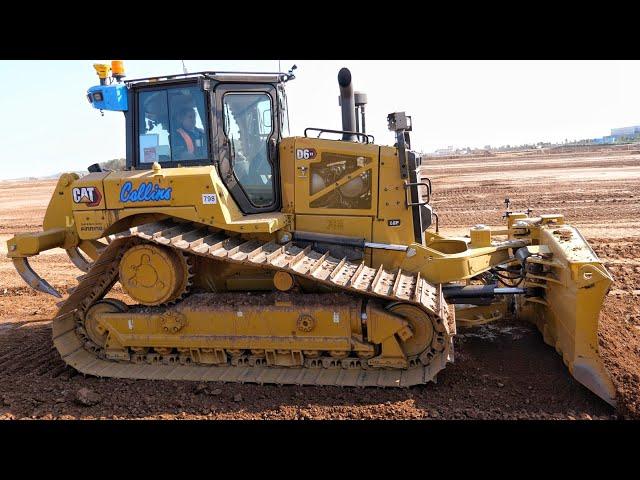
{"x":571,"y":284}
{"x":32,"y":278}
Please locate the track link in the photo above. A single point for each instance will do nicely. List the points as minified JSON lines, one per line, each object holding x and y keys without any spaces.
{"x":340,"y":274}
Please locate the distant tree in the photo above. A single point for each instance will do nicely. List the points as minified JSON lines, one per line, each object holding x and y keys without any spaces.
{"x":114,"y":164}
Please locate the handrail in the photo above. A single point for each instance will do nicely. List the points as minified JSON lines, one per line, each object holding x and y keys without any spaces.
{"x":430,"y":187}
{"x":417,"y":184}
{"x":365,"y":136}
{"x":206,"y":73}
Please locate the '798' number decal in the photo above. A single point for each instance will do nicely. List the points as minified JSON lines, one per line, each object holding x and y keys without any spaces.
{"x":305,"y":153}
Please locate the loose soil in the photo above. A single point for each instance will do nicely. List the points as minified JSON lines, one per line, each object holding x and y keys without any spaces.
{"x":501,"y":371}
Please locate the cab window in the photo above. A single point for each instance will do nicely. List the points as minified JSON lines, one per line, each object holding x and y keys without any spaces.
{"x":172,"y":126}
{"x":248,"y":126}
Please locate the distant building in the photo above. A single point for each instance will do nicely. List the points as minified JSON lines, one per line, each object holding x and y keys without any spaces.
{"x":625,"y":131}
{"x":605,"y":140}
{"x":445,"y":151}
{"x":618,"y":134}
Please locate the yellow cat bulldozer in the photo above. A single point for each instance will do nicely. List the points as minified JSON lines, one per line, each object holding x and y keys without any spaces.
{"x":253,"y":256}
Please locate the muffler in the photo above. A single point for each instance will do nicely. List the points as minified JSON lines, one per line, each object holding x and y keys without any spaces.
{"x":348,"y":104}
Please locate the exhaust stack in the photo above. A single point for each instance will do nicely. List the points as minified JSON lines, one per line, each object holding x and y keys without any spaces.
{"x":348,"y":104}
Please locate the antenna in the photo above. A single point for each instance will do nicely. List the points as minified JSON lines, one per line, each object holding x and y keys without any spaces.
{"x":184,"y":68}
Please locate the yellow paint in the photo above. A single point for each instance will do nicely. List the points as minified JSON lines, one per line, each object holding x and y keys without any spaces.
{"x":481,"y":236}
{"x":91,"y":224}
{"x":392,"y":204}
{"x":244,"y":327}
{"x":287,"y":172}
{"x":573,"y":297}
{"x":303,"y":197}
{"x":27,"y":244}
{"x":359,"y":227}
{"x":102,"y":69}
{"x":152,"y":275}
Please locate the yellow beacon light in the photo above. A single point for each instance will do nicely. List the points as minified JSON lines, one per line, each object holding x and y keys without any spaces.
{"x":102,"y":70}
{"x":117,"y":67}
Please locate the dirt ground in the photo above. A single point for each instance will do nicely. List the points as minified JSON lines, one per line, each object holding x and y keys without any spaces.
{"x":501,"y":371}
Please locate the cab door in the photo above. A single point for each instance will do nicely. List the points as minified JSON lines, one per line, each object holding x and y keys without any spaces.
{"x":247,"y":135}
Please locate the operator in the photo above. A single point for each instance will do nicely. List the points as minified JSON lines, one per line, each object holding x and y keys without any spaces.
{"x":189,"y":142}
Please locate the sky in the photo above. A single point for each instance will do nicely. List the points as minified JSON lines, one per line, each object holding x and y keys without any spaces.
{"x":48,"y":126}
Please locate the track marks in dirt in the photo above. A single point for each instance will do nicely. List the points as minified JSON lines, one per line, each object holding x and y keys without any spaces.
{"x":26,"y":349}
{"x":503,"y":373}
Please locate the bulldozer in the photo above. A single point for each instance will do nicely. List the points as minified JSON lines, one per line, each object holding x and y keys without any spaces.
{"x":250,"y":255}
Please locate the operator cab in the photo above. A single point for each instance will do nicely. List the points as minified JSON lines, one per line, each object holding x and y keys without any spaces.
{"x":233,"y":121}
{"x":230,"y":120}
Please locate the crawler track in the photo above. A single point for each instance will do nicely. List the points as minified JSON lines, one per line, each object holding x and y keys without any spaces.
{"x":340,"y":274}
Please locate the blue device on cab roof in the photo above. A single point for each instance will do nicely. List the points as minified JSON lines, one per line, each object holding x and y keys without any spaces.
{"x":109,"y":97}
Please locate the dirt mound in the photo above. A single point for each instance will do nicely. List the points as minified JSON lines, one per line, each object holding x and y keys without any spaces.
{"x":619,"y":340}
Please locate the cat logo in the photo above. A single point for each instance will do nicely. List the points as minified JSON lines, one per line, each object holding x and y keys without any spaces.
{"x":88,"y":195}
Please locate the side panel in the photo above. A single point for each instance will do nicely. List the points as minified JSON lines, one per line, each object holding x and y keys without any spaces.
{"x":287,"y":174}
{"x":91,"y":225}
{"x":337,"y":225}
{"x":241,"y":327}
{"x":335,"y":177}
{"x":394,"y":223}
{"x":87,"y":193}
{"x":60,"y":207}
{"x":194,"y":193}
{"x":197,"y":187}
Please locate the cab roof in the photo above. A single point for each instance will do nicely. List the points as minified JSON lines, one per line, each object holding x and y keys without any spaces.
{"x":237,"y":77}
